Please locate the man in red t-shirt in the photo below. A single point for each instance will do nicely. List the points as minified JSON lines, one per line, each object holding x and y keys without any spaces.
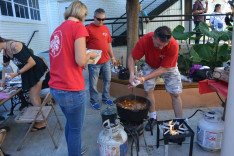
{"x":100,"y":39}
{"x":161,"y":54}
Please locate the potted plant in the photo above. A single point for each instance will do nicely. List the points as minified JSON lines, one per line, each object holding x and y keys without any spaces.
{"x":208,"y":54}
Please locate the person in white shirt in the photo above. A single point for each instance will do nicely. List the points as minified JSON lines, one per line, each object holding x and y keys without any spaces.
{"x":217,"y":21}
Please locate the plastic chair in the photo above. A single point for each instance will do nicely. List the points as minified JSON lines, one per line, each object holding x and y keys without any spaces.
{"x":35,"y":114}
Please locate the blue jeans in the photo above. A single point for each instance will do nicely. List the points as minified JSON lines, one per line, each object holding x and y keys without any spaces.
{"x":94,"y":70}
{"x":72,"y":103}
{"x":198,"y":32}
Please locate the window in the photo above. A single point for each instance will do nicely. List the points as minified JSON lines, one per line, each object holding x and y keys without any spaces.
{"x":6,"y":7}
{"x":28,"y":9}
{"x":20,"y":8}
{"x":34,"y":9}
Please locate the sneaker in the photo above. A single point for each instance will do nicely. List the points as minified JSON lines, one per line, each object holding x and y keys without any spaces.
{"x":83,"y":149}
{"x":151,"y":123}
{"x":109,"y":102}
{"x":95,"y":106}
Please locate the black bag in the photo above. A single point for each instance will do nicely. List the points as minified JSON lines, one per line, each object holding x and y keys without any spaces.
{"x":124,"y":74}
{"x":201,"y":74}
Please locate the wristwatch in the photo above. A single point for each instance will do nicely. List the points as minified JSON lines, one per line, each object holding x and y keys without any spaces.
{"x":18,"y":72}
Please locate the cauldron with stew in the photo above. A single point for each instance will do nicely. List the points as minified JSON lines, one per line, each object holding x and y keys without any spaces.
{"x":132,"y":108}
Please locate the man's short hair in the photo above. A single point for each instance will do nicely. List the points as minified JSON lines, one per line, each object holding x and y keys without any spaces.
{"x":163,"y":33}
{"x":99,"y":11}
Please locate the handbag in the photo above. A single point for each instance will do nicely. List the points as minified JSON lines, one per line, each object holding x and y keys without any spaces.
{"x":124,"y":74}
{"x":201,"y":74}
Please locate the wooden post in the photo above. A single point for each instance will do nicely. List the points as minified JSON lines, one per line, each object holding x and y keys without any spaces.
{"x":132,"y":9}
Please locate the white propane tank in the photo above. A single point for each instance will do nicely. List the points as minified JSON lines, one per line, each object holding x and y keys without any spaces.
{"x":112,"y":140}
{"x":210,"y":131}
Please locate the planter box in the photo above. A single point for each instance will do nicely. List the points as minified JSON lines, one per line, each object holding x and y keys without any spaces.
{"x":190,"y":95}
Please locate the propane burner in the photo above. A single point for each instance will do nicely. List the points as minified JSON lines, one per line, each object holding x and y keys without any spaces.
{"x":174,"y":131}
{"x":133,"y":127}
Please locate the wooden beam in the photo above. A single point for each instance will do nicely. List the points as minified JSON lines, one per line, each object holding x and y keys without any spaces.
{"x":132,"y":9}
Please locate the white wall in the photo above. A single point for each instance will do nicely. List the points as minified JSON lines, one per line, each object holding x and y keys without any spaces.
{"x":112,"y":8}
{"x":53,"y":18}
{"x":21,"y":29}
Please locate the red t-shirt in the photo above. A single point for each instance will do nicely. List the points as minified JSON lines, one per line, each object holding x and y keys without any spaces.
{"x":166,"y":57}
{"x":65,"y":73}
{"x":99,"y":37}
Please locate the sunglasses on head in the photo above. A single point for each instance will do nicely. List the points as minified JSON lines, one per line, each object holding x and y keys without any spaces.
{"x":100,"y":19}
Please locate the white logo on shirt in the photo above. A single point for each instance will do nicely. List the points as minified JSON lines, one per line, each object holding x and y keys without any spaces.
{"x":104,"y":34}
{"x":16,"y":61}
{"x":56,"y":43}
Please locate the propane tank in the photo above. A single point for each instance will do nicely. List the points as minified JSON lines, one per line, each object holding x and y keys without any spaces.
{"x":112,"y":140}
{"x":210,"y":131}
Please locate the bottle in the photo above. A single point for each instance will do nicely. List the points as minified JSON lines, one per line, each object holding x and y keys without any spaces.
{"x":135,"y":69}
{"x":140,"y":74}
{"x":8,"y":69}
{"x":118,"y":63}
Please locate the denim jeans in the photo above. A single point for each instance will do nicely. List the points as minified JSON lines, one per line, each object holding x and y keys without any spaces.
{"x":94,"y":70}
{"x":198,"y":32}
{"x":72,"y":103}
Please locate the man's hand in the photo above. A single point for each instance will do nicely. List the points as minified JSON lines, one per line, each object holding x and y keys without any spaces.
{"x":114,"y":62}
{"x":141,"y":79}
{"x":206,"y":3}
{"x":131,"y":80}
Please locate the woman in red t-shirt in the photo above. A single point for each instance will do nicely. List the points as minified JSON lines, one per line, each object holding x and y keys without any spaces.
{"x":67,"y":58}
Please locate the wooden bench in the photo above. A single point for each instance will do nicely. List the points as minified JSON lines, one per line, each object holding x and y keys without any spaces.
{"x":190,"y":95}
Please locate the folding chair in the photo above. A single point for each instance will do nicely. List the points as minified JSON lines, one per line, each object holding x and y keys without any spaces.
{"x":2,"y":137}
{"x":35,"y":114}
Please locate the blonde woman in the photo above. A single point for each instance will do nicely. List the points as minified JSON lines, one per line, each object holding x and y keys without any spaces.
{"x":67,"y":85}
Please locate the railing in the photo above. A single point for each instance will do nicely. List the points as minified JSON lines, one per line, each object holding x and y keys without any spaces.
{"x":29,"y":41}
{"x":121,"y":27}
{"x":118,"y":27}
{"x":159,"y":21}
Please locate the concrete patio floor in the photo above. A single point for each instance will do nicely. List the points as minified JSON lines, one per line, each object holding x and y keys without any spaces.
{"x":40,"y":144}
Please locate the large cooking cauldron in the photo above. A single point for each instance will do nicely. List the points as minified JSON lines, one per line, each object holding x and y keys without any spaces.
{"x":132,"y":115}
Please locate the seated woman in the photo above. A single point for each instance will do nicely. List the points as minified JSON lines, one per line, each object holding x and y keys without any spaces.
{"x":31,"y":68}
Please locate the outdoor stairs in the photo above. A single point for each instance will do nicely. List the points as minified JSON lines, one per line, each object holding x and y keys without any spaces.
{"x":152,"y":7}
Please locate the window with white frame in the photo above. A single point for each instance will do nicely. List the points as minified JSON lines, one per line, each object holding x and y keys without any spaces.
{"x":27,"y":9}
{"x":6,"y":7}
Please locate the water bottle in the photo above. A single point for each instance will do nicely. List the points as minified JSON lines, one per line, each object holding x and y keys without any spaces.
{"x":8,"y":69}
